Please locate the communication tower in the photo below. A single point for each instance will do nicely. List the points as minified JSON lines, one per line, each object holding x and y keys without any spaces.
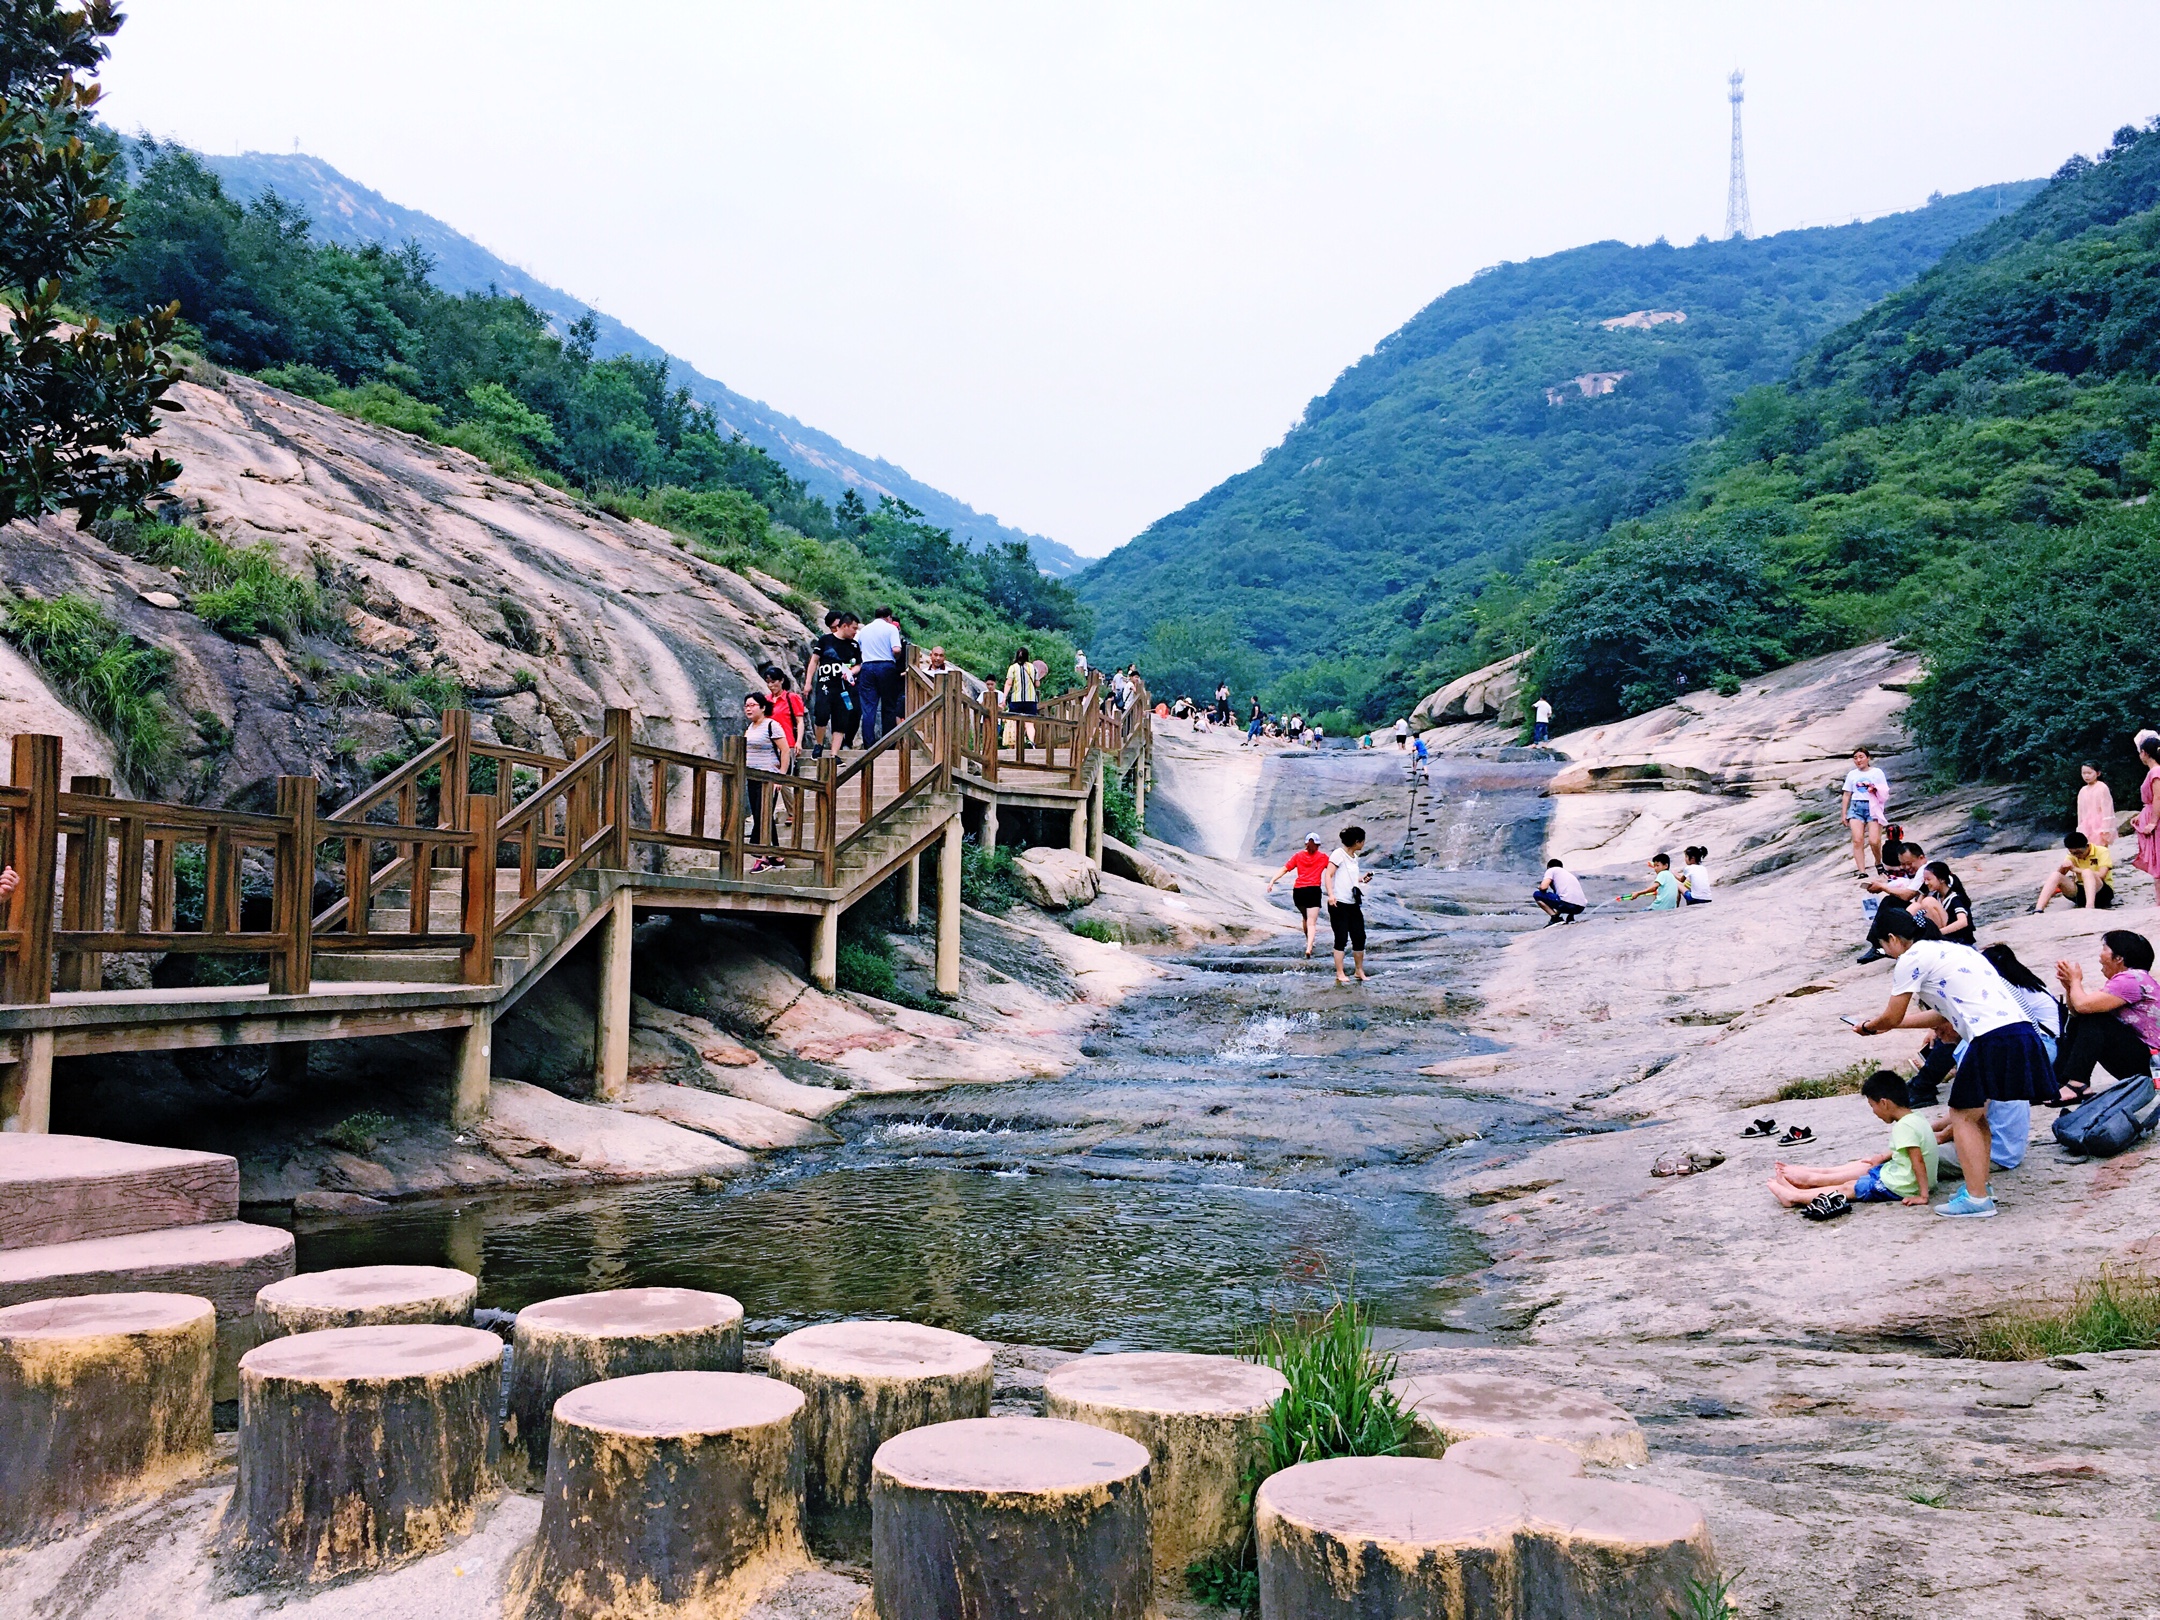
{"x":1737,"y":222}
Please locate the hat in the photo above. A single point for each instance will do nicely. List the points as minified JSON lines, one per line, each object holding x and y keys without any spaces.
{"x":1314,"y":838}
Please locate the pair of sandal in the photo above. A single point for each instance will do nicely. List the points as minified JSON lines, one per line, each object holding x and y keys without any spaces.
{"x":1826,"y":1206}
{"x":1795,"y":1135}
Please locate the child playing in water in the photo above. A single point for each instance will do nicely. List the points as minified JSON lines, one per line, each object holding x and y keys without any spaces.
{"x":1663,"y":883}
{"x":1903,"y":1175}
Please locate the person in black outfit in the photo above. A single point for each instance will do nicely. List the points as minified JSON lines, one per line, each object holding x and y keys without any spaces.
{"x":829,"y":678}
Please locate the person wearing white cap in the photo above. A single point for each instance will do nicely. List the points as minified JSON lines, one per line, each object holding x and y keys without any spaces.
{"x":1310,"y":866}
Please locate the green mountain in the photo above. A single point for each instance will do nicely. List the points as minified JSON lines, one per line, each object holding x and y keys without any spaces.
{"x":1967,"y":465}
{"x":344,"y":212}
{"x":1465,"y":438}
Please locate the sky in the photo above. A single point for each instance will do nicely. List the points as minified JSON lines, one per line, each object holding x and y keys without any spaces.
{"x":1076,"y":264}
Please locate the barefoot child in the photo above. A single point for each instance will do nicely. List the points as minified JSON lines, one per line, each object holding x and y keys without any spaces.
{"x":1904,"y":1174}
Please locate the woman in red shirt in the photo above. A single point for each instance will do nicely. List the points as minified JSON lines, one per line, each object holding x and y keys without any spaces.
{"x":787,"y":705}
{"x":1309,"y":864}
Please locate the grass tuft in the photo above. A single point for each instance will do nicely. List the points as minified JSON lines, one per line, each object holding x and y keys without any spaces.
{"x":1093,"y":928}
{"x":242,"y":592}
{"x":1706,"y":1600}
{"x":2115,"y":1310}
{"x":360,"y":1133}
{"x":1845,"y":1083}
{"x":988,"y":880}
{"x":117,"y":681}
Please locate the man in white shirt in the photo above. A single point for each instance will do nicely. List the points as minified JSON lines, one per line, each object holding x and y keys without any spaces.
{"x":1343,"y":884}
{"x":1958,"y":989}
{"x":1561,"y":896}
{"x":1541,"y":721}
{"x":880,"y":681}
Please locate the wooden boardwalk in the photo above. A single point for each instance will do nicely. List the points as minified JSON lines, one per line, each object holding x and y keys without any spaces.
{"x":512,"y":877}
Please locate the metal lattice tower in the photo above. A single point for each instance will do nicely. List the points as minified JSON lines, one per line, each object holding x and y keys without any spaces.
{"x":1737,"y":222}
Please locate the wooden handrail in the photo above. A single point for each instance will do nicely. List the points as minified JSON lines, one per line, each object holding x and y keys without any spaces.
{"x":587,"y":832}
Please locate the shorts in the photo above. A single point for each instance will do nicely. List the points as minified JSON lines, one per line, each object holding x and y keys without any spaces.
{"x":2005,"y":1064}
{"x":1869,"y":1189}
{"x":1023,"y":706}
{"x":1694,"y":899}
{"x":2104,"y":899}
{"x":1306,"y":899}
{"x":1863,"y":809}
{"x":834,"y":706}
{"x":1566,"y":908}
{"x":1349,"y":925}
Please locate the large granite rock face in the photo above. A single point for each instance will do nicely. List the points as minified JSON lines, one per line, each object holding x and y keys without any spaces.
{"x":1491,"y":693}
{"x":546,"y":610}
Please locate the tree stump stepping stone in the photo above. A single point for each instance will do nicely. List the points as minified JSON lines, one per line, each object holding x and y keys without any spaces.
{"x":103,"y":1399}
{"x":866,"y":1382}
{"x":360,"y":1448}
{"x":1010,"y":1518}
{"x":563,"y":1344}
{"x":1201,"y":1418}
{"x":367,"y":1296}
{"x":667,"y":1493}
{"x":1495,"y":1530}
{"x":1451,"y":1407}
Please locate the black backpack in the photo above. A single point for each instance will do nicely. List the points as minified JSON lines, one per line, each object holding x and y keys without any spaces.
{"x":2102,"y":1126}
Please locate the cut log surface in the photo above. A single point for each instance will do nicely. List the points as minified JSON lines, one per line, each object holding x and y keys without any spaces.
{"x":64,"y":1189}
{"x":672,"y":1493}
{"x":102,"y":1400}
{"x":1010,"y":1519}
{"x":1202,"y":1419}
{"x":367,"y":1296}
{"x":360,"y":1448}
{"x":866,"y":1382}
{"x":1452,"y":1407}
{"x":1496,"y":1528}
{"x":564,"y":1344}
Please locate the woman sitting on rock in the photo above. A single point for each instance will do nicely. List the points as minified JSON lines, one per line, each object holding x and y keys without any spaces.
{"x":1944,"y":902}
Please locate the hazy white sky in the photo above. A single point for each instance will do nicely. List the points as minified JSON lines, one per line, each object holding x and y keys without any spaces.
{"x":1077,"y":263}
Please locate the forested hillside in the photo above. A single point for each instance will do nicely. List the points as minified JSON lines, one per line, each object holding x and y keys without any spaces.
{"x":367,"y":332}
{"x":1347,"y":565}
{"x":344,"y":213}
{"x":1968,"y":465}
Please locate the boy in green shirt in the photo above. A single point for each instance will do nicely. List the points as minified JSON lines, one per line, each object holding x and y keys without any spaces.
{"x":1903,"y":1175}
{"x":1664,"y":883}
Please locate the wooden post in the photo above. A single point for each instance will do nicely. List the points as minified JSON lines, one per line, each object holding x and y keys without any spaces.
{"x":36,"y":767}
{"x":951,"y":694}
{"x":990,"y":738}
{"x":473,"y":1071}
{"x":26,"y":1086}
{"x":828,"y":820}
{"x":948,"y":911}
{"x":456,"y":770}
{"x":292,"y":894}
{"x":82,"y":888}
{"x":479,"y":912}
{"x":1095,"y":816}
{"x":911,"y":892}
{"x":616,"y":854}
{"x":825,"y":948}
{"x":737,"y":796}
{"x":611,"y":1035}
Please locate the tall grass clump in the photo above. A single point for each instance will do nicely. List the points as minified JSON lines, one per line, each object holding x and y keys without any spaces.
{"x":2115,"y":1310}
{"x":239,"y":591}
{"x":1338,"y":1405}
{"x":117,"y":681}
{"x":988,"y":879}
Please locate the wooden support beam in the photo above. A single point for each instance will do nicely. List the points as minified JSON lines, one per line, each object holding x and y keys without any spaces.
{"x":948,"y":931}
{"x":615,"y":809}
{"x":36,"y":767}
{"x":292,"y":901}
{"x":26,"y":1086}
{"x":478,"y":923}
{"x":611,"y":1034}
{"x":473,"y":1071}
{"x":825,"y":949}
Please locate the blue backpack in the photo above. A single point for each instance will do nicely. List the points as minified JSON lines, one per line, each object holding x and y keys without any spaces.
{"x":2107,"y":1124}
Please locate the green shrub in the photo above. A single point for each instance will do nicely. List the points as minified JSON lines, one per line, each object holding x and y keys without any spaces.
{"x":865,"y":970}
{"x":2115,"y":1310}
{"x":118,"y":682}
{"x":360,"y":1132}
{"x":1121,"y":816}
{"x":240,"y":592}
{"x":1092,"y":928}
{"x":1806,"y":816}
{"x":988,"y":880}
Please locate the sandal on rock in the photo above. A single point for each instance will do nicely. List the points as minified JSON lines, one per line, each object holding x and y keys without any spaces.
{"x":1826,"y":1206}
{"x":1761,"y":1127}
{"x":1795,"y":1135}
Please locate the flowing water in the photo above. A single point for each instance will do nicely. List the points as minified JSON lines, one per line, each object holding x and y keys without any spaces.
{"x":1242,"y":1137}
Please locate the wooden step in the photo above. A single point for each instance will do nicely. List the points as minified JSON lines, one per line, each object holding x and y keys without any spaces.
{"x":66,"y":1189}
{"x":224,"y":1262}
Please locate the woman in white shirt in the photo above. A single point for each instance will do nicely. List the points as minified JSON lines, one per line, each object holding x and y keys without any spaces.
{"x":765,"y":748}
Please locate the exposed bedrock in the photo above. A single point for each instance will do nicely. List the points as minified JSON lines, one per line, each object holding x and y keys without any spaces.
{"x":1451,"y":1407}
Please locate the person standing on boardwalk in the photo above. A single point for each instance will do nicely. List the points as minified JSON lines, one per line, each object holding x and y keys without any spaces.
{"x":1344,"y":881}
{"x":1306,"y":868}
{"x":881,"y":680}
{"x":785,"y":702}
{"x":2095,"y":807}
{"x":1866,"y":808}
{"x":1540,"y":721}
{"x":766,"y":747}
{"x":1020,"y":690}
{"x":829,"y":678}
{"x":2147,"y":858}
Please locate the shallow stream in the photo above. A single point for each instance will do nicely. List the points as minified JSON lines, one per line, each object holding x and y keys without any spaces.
{"x":1242,"y":1137}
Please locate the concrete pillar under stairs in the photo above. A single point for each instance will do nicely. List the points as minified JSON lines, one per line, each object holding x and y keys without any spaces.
{"x":825,"y":949}
{"x":948,"y":930}
{"x":611,"y":1037}
{"x":26,"y":1086}
{"x":911,"y":892}
{"x":1095,"y":817}
{"x":473,"y":1069}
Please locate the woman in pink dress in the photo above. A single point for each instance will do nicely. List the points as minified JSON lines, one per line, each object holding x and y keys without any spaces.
{"x":2095,"y":808}
{"x":2147,"y":858}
